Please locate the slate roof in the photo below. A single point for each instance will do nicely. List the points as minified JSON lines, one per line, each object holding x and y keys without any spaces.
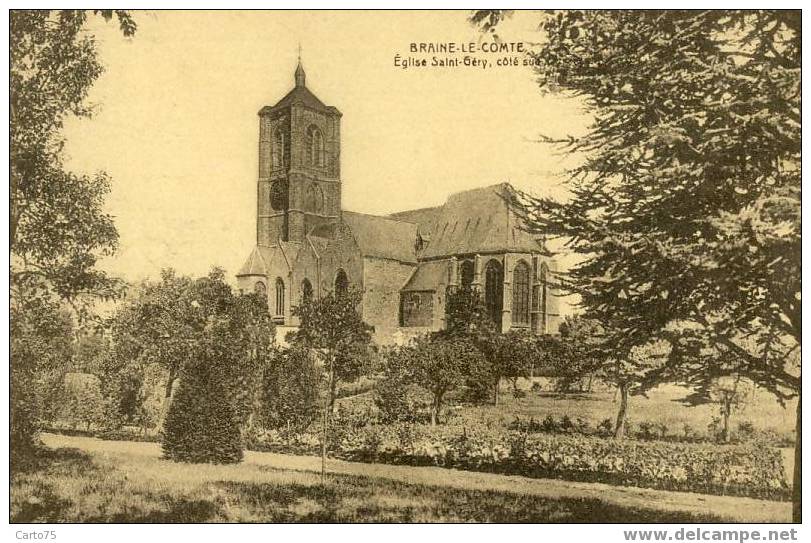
{"x":261,"y":256}
{"x":255,"y":265}
{"x":301,"y":94}
{"x":382,"y":237}
{"x":305,"y":96}
{"x":478,"y":221}
{"x":428,"y":276}
{"x":425,"y":218}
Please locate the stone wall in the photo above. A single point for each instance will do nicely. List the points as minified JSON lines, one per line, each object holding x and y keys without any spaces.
{"x":382,"y":281}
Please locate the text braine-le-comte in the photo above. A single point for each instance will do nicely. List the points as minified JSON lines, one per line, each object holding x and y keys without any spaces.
{"x":469,"y":47}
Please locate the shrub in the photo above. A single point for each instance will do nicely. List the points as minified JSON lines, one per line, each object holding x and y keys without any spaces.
{"x":714,"y":428}
{"x":566,"y":424}
{"x":536,"y":388}
{"x":290,"y":396}
{"x":746,"y":429}
{"x":606,"y":427}
{"x":393,"y":402}
{"x":646,"y":430}
{"x":518,"y":393}
{"x":82,"y":403}
{"x":202,"y":423}
{"x":549,"y":424}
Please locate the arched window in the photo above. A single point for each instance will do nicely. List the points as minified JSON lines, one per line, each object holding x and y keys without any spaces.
{"x":278,"y":148}
{"x":314,"y":200}
{"x":494,"y":291}
{"x":315,"y":147}
{"x":466,"y":273}
{"x":279,"y":296}
{"x":259,"y":288}
{"x":306,"y":291}
{"x":341,"y":283}
{"x":521,"y":286}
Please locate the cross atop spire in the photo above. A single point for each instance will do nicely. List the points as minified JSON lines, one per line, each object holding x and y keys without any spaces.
{"x":300,"y":77}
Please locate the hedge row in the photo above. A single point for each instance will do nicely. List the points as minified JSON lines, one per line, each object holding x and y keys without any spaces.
{"x":749,"y":469}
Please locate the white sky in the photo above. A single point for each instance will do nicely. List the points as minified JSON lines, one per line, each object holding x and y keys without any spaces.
{"x":177,"y":124}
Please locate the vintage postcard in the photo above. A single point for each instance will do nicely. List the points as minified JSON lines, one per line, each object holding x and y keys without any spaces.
{"x":489,"y":266}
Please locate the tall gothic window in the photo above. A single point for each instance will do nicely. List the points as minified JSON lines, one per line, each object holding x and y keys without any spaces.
{"x":494,"y":290}
{"x":278,"y":148}
{"x":541,"y":294}
{"x":466,"y":273}
{"x":306,"y":291}
{"x":341,"y":283}
{"x":521,"y":286}
{"x":315,"y":147}
{"x":279,"y":296}
{"x":315,"y":199}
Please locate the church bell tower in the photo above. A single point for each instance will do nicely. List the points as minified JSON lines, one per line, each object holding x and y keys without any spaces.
{"x":299,"y":185}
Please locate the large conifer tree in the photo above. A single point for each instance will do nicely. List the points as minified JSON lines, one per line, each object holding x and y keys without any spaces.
{"x":685,"y":207}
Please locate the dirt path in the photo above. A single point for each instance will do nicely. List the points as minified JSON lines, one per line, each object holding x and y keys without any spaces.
{"x":733,"y":508}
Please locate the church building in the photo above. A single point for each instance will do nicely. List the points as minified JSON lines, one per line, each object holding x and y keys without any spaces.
{"x":404,"y":263}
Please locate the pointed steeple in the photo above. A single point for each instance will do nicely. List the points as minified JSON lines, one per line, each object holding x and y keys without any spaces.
{"x":300,"y":77}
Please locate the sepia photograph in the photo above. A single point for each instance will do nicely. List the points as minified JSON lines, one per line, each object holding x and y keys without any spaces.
{"x":406,"y":266}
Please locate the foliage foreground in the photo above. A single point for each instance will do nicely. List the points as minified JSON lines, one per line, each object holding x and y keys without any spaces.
{"x":122,"y":486}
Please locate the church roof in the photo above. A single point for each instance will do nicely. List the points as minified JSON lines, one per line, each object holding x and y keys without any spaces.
{"x":300,"y":94}
{"x":428,"y":276}
{"x":255,"y":265}
{"x":424,"y":217}
{"x":303,"y":95}
{"x":479,"y":221}
{"x":382,"y":237}
{"x":261,"y":257}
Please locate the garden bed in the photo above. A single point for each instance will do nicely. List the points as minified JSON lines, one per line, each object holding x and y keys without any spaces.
{"x":750,"y":469}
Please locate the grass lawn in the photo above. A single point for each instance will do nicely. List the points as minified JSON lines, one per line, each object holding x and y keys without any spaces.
{"x":128,"y":482}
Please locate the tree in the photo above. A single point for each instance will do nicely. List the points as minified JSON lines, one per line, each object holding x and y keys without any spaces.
{"x":157,"y":323}
{"x":396,"y":395}
{"x":41,"y":347}
{"x":439,"y":365}
{"x":332,"y":327}
{"x":572,"y":354}
{"x":507,"y":356}
{"x":392,"y":396}
{"x":290,"y":390}
{"x":466,"y":314}
{"x":228,"y":339}
{"x":147,"y":402}
{"x":466,"y":319}
{"x":711,"y":374}
{"x":633,"y":372}
{"x":729,"y":392}
{"x":685,"y":208}
{"x":57,"y":227}
{"x":82,"y":401}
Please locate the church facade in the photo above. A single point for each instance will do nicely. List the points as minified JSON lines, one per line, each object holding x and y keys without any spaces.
{"x":403,"y":263}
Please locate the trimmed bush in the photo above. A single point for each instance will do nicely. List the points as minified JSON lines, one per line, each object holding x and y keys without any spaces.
{"x":290,"y":397}
{"x":202,"y":424}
